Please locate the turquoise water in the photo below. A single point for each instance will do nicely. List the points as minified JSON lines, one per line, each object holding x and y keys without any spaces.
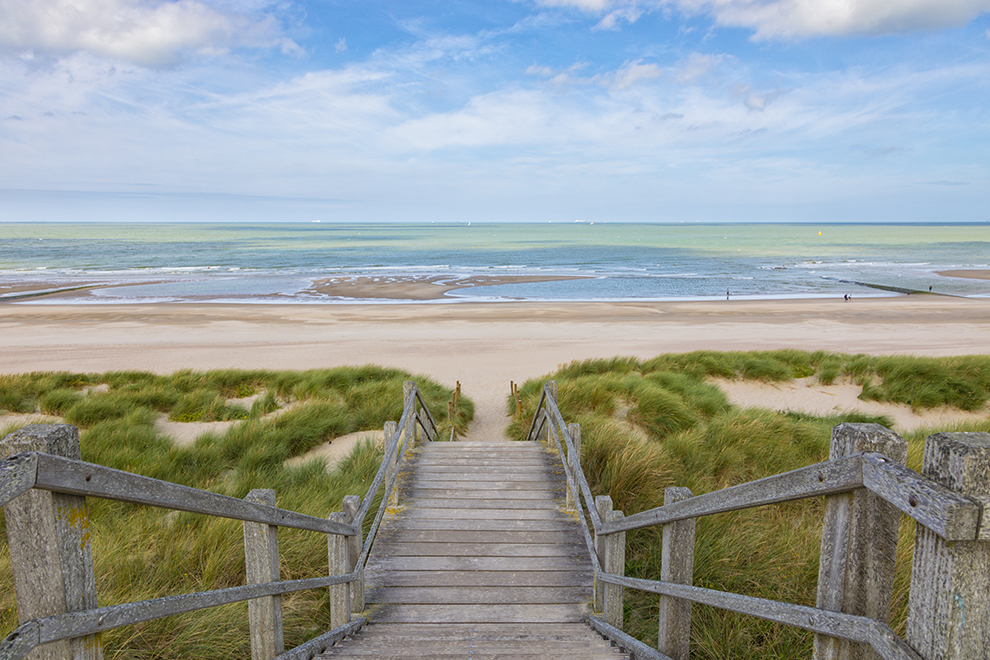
{"x":278,"y":262}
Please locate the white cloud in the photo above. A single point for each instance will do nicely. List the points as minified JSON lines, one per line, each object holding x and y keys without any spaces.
{"x":146,"y":33}
{"x":754,"y":100}
{"x":611,"y":21}
{"x":633,"y":72}
{"x":798,"y":18}
{"x":590,"y":6}
{"x":696,"y":66}
{"x":809,"y":18}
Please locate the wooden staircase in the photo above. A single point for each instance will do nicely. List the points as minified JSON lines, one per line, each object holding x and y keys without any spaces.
{"x":479,"y":561}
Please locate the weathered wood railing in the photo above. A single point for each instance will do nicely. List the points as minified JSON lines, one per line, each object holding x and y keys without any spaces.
{"x":866,"y":487}
{"x":43,"y":488}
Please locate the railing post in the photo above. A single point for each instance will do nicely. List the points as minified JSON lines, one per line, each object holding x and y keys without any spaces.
{"x":615,"y":563}
{"x":949,"y":605}
{"x":261,"y":565}
{"x":411,"y":428}
{"x":340,"y":606}
{"x":551,"y":389}
{"x":351,"y":505}
{"x":50,"y":551}
{"x":392,"y":457}
{"x":859,"y":544}
{"x":574,"y":461}
{"x":603,"y":504}
{"x":676,"y":565}
{"x":611,"y":551}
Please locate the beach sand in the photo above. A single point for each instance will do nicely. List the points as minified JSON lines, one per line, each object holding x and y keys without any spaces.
{"x":482,"y":345}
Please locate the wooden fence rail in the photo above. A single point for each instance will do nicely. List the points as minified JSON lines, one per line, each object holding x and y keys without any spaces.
{"x":866,"y":488}
{"x":43,"y":489}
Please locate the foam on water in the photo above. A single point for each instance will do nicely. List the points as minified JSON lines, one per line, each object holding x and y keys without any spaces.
{"x":280,"y":262}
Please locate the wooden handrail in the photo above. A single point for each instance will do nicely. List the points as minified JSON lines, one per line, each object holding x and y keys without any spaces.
{"x":950,"y":501}
{"x":72,"y":478}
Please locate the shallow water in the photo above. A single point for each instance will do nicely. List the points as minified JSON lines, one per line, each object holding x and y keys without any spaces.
{"x":279,"y":262}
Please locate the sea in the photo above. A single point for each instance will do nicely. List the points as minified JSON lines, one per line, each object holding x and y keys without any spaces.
{"x":279,"y":262}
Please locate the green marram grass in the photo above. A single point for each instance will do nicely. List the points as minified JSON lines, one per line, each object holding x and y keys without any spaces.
{"x":143,"y":552}
{"x":650,"y":424}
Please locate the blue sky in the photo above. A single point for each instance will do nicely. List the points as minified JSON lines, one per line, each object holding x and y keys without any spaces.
{"x":497,"y":110}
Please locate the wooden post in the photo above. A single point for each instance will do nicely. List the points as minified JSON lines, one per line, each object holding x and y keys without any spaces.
{"x":551,"y":388}
{"x":949,"y":605}
{"x":411,"y":426}
{"x":859,"y":544}
{"x":261,"y":565}
{"x":574,"y":461}
{"x":50,"y":551}
{"x":340,"y":607}
{"x":611,"y":551}
{"x":615,"y":563}
{"x":351,"y":505}
{"x":392,"y":458}
{"x":603,"y":504}
{"x":676,"y":565}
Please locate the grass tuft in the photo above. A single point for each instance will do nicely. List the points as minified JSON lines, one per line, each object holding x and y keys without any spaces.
{"x":144,"y":552}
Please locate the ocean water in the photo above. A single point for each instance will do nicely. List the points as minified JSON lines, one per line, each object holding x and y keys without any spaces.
{"x":249,"y":263}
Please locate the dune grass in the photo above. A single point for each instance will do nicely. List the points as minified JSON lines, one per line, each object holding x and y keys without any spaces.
{"x":144,"y":552}
{"x":647,"y":425}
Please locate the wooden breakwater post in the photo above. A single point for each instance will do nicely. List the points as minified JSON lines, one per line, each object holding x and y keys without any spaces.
{"x":859,"y":544}
{"x":949,"y":604}
{"x":50,"y":551}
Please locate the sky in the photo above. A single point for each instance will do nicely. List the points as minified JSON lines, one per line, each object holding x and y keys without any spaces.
{"x":495,"y":110}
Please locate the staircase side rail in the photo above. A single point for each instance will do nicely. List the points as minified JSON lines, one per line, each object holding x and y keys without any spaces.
{"x":66,"y":475}
{"x":390,"y":449}
{"x":629,"y":644}
{"x":318,"y":645}
{"x":834,"y":624}
{"x":952,"y":516}
{"x":950,"y":502}
{"x":29,"y":470}
{"x":396,"y":445}
{"x":585,"y":529}
{"x":88,"y":622}
{"x":432,"y":431}
{"x":549,"y":413}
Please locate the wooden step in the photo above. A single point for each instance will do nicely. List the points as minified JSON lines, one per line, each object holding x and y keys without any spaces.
{"x":479,"y":561}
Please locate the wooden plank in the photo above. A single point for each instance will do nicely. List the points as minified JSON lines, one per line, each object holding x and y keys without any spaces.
{"x":481,"y":631}
{"x":487,"y":549}
{"x":481,"y":471}
{"x":431,"y":536}
{"x":438,"y":513}
{"x":482,"y":525}
{"x":479,"y":564}
{"x":501,"y":503}
{"x":438,"y":595}
{"x":572,"y":613}
{"x":480,"y":578}
{"x":498,"y":486}
{"x":440,"y":493}
{"x":542,"y":652}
